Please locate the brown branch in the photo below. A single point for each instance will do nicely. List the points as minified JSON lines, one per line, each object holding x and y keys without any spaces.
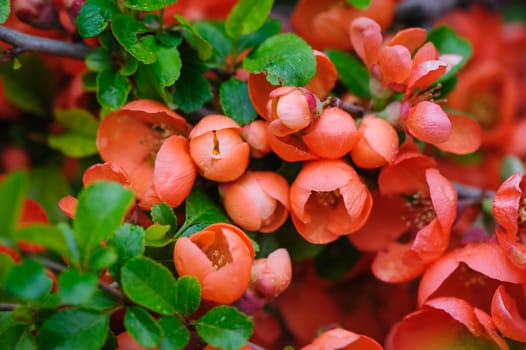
{"x":25,"y":42}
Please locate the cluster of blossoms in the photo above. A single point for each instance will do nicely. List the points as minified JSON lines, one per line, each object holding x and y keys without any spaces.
{"x":375,"y":174}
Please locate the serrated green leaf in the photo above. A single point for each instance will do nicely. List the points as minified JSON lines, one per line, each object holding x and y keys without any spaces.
{"x":94,"y":17}
{"x":128,"y":242}
{"x":147,"y":5}
{"x":100,"y":210}
{"x":156,"y":232}
{"x":170,"y":39}
{"x":200,"y":209}
{"x":75,"y":287}
{"x":5,"y":10}
{"x":74,"y":329}
{"x":102,"y":257}
{"x":225,"y":327}
{"x":30,"y":87}
{"x":192,"y":90}
{"x":12,"y":191}
{"x":149,"y":284}
{"x":73,"y":144}
{"x":167,"y":67}
{"x":112,"y":89}
{"x":286,"y":58}
{"x":164,"y":215}
{"x":98,"y":59}
{"x":142,"y":327}
{"x":247,"y":16}
{"x":50,"y":237}
{"x":176,"y":334}
{"x":28,"y":281}
{"x":188,"y":295}
{"x":448,"y":42}
{"x":203,"y":47}
{"x":361,"y":4}
{"x":126,"y":30}
{"x":17,"y":338}
{"x":235,"y":101}
{"x":351,"y":72}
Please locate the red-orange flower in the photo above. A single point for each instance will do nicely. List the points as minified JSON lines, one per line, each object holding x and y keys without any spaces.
{"x":339,"y":338}
{"x":220,"y":257}
{"x":148,"y":141}
{"x":256,"y":135}
{"x":217,"y":148}
{"x":328,"y":200}
{"x":257,"y":201}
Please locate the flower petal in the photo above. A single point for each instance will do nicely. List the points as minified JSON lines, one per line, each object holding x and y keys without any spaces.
{"x":428,"y":122}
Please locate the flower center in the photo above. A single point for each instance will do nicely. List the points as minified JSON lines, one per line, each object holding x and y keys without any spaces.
{"x":218,"y":252}
{"x":484,"y":107}
{"x":216,"y":152}
{"x":155,"y":139}
{"x":420,"y":211}
{"x":328,"y":199}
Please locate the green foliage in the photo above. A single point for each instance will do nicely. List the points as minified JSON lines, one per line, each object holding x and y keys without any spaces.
{"x":76,"y":287}
{"x":351,"y":72}
{"x":74,"y":329}
{"x":149,"y":284}
{"x":175,"y":333}
{"x":50,"y":237}
{"x":142,"y":326}
{"x":247,"y":16}
{"x":225,"y":327}
{"x":164,"y":215}
{"x":28,"y":280}
{"x":100,"y":209}
{"x":94,"y":17}
{"x":128,"y":242}
{"x":127,"y":30}
{"x":79,"y":139}
{"x":187,"y":295}
{"x":12,"y":190}
{"x":147,"y":5}
{"x":99,"y":59}
{"x":5,"y":10}
{"x":285,"y":58}
{"x":18,"y":337}
{"x":167,"y":66}
{"x":361,"y":4}
{"x":112,"y":89}
{"x":192,"y":36}
{"x":234,"y":99}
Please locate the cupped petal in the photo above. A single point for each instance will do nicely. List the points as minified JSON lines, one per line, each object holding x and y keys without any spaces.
{"x":507,"y":316}
{"x":258,"y":91}
{"x":68,"y":205}
{"x":325,"y":78}
{"x":460,"y":310}
{"x":155,"y":113}
{"x":366,"y":38}
{"x":514,"y":250}
{"x":412,"y":38}
{"x":465,"y":137}
{"x":213,"y":122}
{"x":105,"y":171}
{"x":428,"y":122}
{"x":423,"y":75}
{"x":389,"y":264}
{"x":506,"y":205}
{"x":175,"y":171}
{"x":406,"y":174}
{"x":430,"y":242}
{"x":290,"y":148}
{"x":443,"y":197}
{"x":395,"y":64}
{"x":241,"y":207}
{"x":339,"y":338}
{"x":428,"y":52}
{"x":324,"y":175}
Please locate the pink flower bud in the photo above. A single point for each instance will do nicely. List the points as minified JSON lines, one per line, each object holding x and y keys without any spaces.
{"x":256,"y":135}
{"x":38,"y":13}
{"x":272,"y":275}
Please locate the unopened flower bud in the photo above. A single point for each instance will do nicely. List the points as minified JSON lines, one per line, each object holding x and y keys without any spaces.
{"x":38,"y":13}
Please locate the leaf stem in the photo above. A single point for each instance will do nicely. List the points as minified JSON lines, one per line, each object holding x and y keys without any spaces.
{"x":24,"y":42}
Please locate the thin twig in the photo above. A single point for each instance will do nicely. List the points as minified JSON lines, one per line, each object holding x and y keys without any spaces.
{"x":26,"y":42}
{"x":8,"y":307}
{"x":354,"y":110}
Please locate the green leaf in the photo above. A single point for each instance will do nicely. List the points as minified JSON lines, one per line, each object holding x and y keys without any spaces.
{"x":17,"y":338}
{"x":145,"y":86}
{"x":510,"y":165}
{"x":270,"y":28}
{"x":336,"y":259}
{"x":247,"y":16}
{"x":128,"y":242}
{"x":176,"y":334}
{"x":79,"y":120}
{"x":126,"y":30}
{"x":448,"y":42}
{"x":75,"y":287}
{"x":200,"y":209}
{"x":71,"y":241}
{"x":28,"y":281}
{"x":225,"y":327}
{"x":5,"y":10}
{"x":100,"y":210}
{"x":129,"y":66}
{"x":147,"y":5}
{"x":192,"y":90}
{"x":164,"y":215}
{"x":142,"y":327}
{"x":50,"y":237}
{"x":74,"y":329}
{"x":234,"y":99}
{"x":101,"y":301}
{"x":286,"y":58}
{"x":361,"y":4}
{"x":30,"y":87}
{"x":94,"y":17}
{"x":149,"y":284}
{"x":156,"y":232}
{"x":102,"y":258}
{"x":188,"y":295}
{"x":167,"y":67}
{"x":203,"y":47}
{"x":112,"y":89}
{"x":98,"y":59}
{"x":214,"y":32}
{"x":12,"y":192}
{"x":6,"y":263}
{"x":351,"y":72}
{"x":73,"y":144}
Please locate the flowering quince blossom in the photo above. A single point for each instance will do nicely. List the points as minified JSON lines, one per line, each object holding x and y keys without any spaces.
{"x":146,"y":140}
{"x":271,"y":275}
{"x":256,"y":135}
{"x":339,"y":338}
{"x":220,"y":257}
{"x":510,"y":213}
{"x":328,"y":200}
{"x":419,"y":226}
{"x":257,"y":201}
{"x":217,"y":148}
